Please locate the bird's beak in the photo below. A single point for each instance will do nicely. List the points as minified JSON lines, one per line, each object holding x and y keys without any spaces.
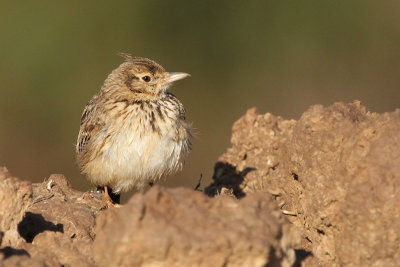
{"x":175,"y":76}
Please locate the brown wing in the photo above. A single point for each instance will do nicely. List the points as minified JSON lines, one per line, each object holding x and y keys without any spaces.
{"x":83,"y":140}
{"x":90,"y":124}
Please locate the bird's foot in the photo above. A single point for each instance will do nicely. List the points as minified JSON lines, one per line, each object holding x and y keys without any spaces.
{"x":106,"y":201}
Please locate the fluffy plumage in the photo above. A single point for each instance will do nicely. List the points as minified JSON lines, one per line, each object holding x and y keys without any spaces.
{"x":133,"y":131}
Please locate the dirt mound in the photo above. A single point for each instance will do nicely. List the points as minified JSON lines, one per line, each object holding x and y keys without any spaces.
{"x":56,"y":227}
{"x":174,"y":227}
{"x":335,"y":172}
{"x":179,"y":227}
{"x":323,"y":190}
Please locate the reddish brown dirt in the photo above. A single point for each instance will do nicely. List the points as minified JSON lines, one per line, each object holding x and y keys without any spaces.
{"x":321,"y":191}
{"x":55,"y":225}
{"x":337,"y":170}
{"x":179,"y":227}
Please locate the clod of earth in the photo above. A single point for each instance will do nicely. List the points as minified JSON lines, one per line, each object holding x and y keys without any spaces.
{"x":335,"y":172}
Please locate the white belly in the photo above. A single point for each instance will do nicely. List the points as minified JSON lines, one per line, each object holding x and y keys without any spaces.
{"x":131,"y":158}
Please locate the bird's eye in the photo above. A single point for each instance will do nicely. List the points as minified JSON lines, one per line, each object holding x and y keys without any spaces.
{"x":146,"y":78}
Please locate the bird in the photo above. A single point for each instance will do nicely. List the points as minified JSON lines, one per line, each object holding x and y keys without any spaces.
{"x":133,"y":131}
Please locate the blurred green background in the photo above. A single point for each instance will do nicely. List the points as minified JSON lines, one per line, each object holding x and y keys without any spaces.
{"x":281,"y":56}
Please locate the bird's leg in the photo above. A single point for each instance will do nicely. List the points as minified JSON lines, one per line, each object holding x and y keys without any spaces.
{"x":107,"y":200}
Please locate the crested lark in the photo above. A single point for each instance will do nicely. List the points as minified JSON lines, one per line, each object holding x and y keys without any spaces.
{"x":133,"y":131}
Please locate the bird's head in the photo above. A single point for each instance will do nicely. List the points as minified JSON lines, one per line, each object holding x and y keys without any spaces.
{"x":143,"y":77}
